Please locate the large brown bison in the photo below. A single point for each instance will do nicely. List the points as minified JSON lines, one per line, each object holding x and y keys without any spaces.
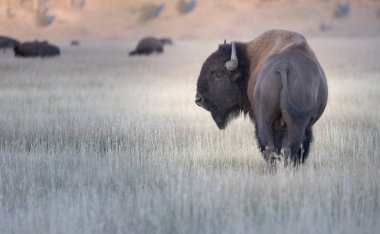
{"x":277,"y":80}
{"x":150,"y":45}
{"x":36,"y":49}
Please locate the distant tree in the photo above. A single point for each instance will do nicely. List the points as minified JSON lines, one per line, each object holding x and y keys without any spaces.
{"x":342,"y":10}
{"x":324,"y":26}
{"x":43,"y":18}
{"x":185,"y":7}
{"x":77,"y":3}
{"x":8,"y":11}
{"x":151,"y":11}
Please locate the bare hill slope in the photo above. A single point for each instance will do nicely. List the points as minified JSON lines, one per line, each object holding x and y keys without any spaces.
{"x":211,"y":19}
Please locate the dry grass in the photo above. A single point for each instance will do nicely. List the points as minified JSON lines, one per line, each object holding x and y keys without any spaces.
{"x":97,"y":142}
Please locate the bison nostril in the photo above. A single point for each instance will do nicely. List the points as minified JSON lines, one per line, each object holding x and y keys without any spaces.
{"x":199,"y":99}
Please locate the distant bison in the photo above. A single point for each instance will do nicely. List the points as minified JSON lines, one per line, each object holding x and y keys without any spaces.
{"x":36,"y":49}
{"x":74,"y":43}
{"x":150,"y":45}
{"x":277,"y":80}
{"x":8,"y":42}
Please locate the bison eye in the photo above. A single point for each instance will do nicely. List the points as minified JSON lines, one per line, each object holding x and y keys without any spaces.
{"x":219,"y":74}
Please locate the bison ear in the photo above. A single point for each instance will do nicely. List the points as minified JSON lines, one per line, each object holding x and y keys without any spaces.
{"x":221,"y":46}
{"x":236,"y":77}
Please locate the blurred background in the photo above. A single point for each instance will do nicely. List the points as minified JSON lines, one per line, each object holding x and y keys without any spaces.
{"x":96,"y":141}
{"x":100,"y":20}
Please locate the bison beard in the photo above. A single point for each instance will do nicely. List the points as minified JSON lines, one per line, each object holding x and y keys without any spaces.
{"x":277,"y":79}
{"x":223,"y":119}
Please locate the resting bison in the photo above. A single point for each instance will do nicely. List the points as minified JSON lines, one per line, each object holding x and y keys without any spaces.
{"x":36,"y":48}
{"x":277,"y":80}
{"x":149,"y":45}
{"x":74,"y":43}
{"x":8,"y":43}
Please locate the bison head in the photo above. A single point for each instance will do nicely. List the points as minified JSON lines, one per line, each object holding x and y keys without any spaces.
{"x":219,"y":87}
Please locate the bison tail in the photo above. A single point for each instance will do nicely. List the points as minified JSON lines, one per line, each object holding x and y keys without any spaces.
{"x":296,"y":111}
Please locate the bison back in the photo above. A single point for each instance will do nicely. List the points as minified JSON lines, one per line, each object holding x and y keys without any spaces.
{"x":148,"y":45}
{"x":48,"y":50}
{"x":26,"y":49}
{"x":34,"y":49}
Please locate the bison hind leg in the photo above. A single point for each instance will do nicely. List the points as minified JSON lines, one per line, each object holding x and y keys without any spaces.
{"x":266,"y":141}
{"x":303,"y":152}
{"x":296,"y":143}
{"x":278,"y":134}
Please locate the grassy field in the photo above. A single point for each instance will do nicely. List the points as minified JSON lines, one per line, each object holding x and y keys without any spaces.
{"x":98,"y":142}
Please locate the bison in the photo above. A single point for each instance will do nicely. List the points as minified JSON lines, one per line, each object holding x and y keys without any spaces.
{"x":74,"y":43}
{"x":277,"y":80}
{"x":149,"y":45}
{"x":36,"y":49}
{"x":8,"y":43}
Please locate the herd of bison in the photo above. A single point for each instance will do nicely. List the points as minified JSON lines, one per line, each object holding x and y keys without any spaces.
{"x":146,"y":46}
{"x":275,"y":79}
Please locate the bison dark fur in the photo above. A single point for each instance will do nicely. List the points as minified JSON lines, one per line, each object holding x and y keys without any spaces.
{"x":277,"y":80}
{"x":74,"y":43}
{"x":36,"y":49}
{"x":150,"y":45}
{"x":8,"y":42}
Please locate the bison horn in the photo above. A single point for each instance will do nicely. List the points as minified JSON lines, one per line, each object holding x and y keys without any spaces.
{"x":232,"y":64}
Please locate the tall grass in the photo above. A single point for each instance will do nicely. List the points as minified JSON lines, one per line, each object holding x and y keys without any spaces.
{"x":97,"y":142}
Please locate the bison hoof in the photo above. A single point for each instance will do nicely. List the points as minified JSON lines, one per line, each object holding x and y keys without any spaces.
{"x":273,"y":158}
{"x":286,"y":155}
{"x":268,"y":152}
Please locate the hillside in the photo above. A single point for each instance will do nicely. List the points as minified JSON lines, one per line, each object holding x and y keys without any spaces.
{"x":212,"y":19}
